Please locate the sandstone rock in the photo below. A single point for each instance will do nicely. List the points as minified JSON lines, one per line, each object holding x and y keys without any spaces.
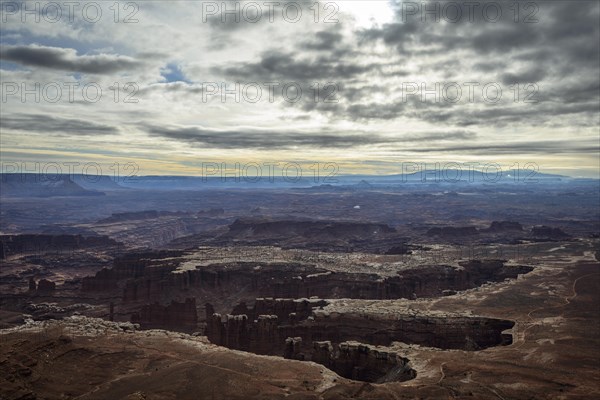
{"x":41,"y":243}
{"x":292,"y":348}
{"x":175,"y":316}
{"x":504,"y":226}
{"x":450,"y":231}
{"x":549,"y":232}
{"x":45,"y":285}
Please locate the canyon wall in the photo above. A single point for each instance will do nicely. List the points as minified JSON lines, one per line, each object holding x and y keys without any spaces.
{"x":290,"y":280}
{"x":362,"y":362}
{"x":41,"y":243}
{"x":176,"y":316}
{"x":267,"y":335}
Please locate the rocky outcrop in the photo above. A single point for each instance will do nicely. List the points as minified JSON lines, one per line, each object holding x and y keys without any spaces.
{"x":130,"y":267}
{"x":548,"y":232}
{"x":42,"y":243}
{"x":228,"y":330}
{"x":42,"y":185}
{"x":505,"y":226}
{"x":268,"y":335}
{"x":260,"y":336}
{"x":399,"y":250}
{"x":285,"y":228}
{"x":286,"y":310}
{"x":495,"y":227}
{"x":337,"y":340}
{"x":362,"y":362}
{"x":176,"y":316}
{"x":142,"y":278}
{"x":139,"y":215}
{"x":45,"y":285}
{"x":293,"y":349}
{"x":285,"y":281}
{"x":445,"y":331}
{"x":213,"y":212}
{"x":450,"y":231}
{"x":103,"y":281}
{"x":319,"y":235}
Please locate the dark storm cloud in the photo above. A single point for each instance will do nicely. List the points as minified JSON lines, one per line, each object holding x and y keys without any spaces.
{"x":384,"y":111}
{"x":560,"y":51}
{"x":573,"y":19}
{"x":260,"y":139}
{"x":397,"y":35}
{"x":392,"y":109}
{"x":67,"y":59}
{"x":264,"y":139}
{"x":489,"y":66}
{"x":441,"y":136}
{"x":39,"y":123}
{"x":503,"y":116}
{"x":329,"y":41}
{"x":532,"y":75}
{"x":279,"y":66}
{"x":559,"y":25}
{"x":562,"y":43}
{"x":358,"y":93}
{"x":584,"y":90}
{"x":151,"y":56}
{"x":537,"y":147}
{"x":411,"y":35}
{"x":338,"y":79}
{"x":499,"y":39}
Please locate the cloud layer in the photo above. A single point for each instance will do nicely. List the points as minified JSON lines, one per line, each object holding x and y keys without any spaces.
{"x":544,"y":58}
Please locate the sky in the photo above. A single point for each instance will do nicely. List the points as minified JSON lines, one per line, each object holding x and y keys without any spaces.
{"x":369,"y":86}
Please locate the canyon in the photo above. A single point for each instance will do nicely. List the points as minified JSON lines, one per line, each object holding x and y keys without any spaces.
{"x":430,"y":301}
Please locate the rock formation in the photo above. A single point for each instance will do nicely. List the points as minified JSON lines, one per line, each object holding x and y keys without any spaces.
{"x":451,"y":231}
{"x":293,"y":339}
{"x":42,"y":243}
{"x":362,"y":362}
{"x":505,"y":226}
{"x":176,"y":316}
{"x":42,"y":185}
{"x":45,"y":285}
{"x":548,"y":232}
{"x":146,"y":278}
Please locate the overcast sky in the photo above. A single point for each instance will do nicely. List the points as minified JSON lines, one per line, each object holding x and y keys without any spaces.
{"x":528,"y":80}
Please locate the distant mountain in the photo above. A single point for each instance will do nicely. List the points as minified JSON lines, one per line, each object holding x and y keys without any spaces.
{"x":357,"y":182}
{"x":41,"y":185}
{"x":96,"y":182}
{"x":160,"y":182}
{"x":139,"y":215}
{"x":453,"y":176}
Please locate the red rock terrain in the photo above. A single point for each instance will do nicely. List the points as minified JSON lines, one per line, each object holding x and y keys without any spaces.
{"x":553,"y":353}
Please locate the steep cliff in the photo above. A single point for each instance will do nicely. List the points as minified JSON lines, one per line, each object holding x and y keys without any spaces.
{"x":176,"y":316}
{"x":267,"y":335}
{"x":43,"y":243}
{"x":362,"y":362}
{"x":146,"y":278}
